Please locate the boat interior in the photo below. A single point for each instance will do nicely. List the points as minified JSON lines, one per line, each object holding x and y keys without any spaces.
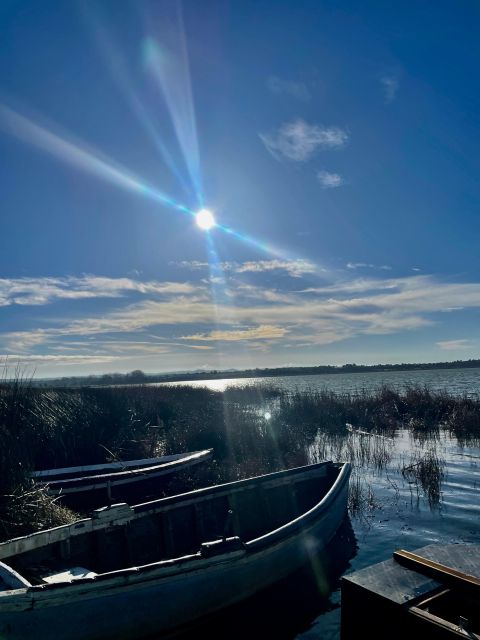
{"x":119,"y":536}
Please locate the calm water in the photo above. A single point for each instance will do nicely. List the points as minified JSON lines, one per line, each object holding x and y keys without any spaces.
{"x":456,"y":381}
{"x":400,"y":516}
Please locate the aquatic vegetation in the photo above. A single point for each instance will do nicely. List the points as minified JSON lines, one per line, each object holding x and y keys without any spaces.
{"x":361,"y":497}
{"x":253,"y":430}
{"x":426,"y":470}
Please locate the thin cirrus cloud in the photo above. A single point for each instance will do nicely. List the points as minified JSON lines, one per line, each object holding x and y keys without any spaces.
{"x":329,"y":180}
{"x":259,"y":317}
{"x":390,"y":85}
{"x":453,"y":345}
{"x":367,"y":265}
{"x":299,"y":141}
{"x":297,"y":90}
{"x":263,"y":332}
{"x":293,"y":268}
{"x":41,"y":291}
{"x":26,"y":360}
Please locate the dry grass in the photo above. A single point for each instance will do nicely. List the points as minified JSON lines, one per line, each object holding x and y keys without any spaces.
{"x":28,"y":510}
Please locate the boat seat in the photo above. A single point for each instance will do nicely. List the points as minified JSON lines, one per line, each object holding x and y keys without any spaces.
{"x":10,"y":579}
{"x":69,"y":574}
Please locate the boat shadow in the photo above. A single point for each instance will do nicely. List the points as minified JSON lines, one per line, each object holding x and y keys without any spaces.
{"x":293,"y":605}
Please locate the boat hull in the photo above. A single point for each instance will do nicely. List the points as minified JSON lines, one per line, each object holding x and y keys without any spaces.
{"x":152,"y":600}
{"x":91,"y":490}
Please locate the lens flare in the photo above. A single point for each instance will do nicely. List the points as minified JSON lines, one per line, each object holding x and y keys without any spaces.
{"x":166,"y":59}
{"x":117,"y":64}
{"x":85,"y":158}
{"x":205,"y":220}
{"x":81,"y":157}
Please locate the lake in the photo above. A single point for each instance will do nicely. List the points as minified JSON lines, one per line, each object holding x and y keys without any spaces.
{"x":455,"y":381}
{"x":399,"y":512}
{"x":400,"y":517}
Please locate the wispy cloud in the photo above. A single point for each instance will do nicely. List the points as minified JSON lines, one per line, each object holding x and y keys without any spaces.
{"x":391,"y":85}
{"x":299,"y":141}
{"x":170,"y":323}
{"x":35,"y":360}
{"x":293,"y":268}
{"x":378,"y":308}
{"x":330,"y":180}
{"x":367,"y":265}
{"x":296,"y":90}
{"x":41,"y":291}
{"x":263,"y":332}
{"x":453,"y":345}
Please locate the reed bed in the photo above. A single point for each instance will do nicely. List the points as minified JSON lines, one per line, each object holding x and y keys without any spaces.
{"x":426,"y":470}
{"x":255,"y":429}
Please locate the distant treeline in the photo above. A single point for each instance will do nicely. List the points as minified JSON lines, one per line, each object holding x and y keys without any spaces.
{"x":139,"y":377}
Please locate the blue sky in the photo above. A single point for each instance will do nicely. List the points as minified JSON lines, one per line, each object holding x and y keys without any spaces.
{"x":335,"y":143}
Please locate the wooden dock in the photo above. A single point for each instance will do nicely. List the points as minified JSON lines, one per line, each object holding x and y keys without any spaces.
{"x":432,"y":593}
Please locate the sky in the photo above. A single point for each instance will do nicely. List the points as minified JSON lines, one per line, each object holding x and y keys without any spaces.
{"x":336,"y":145}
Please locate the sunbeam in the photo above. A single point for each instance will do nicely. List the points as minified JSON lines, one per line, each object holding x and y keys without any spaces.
{"x":87,"y":160}
{"x":116,"y":63}
{"x":97,"y":164}
{"x":166,"y":60}
{"x":265,"y":248}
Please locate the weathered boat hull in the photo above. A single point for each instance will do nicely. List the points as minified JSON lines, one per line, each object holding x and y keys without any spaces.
{"x":164,"y":597}
{"x":97,"y":485}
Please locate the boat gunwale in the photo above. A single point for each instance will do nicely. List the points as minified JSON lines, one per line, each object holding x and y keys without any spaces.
{"x":128,"y":473}
{"x":93,"y":523}
{"x":171,"y":567}
{"x":121,"y":464}
{"x":225,"y":487}
{"x":299,"y":522}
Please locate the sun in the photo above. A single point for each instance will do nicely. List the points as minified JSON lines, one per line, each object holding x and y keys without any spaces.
{"x":205,"y":220}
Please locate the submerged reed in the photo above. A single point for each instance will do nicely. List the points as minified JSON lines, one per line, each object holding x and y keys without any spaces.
{"x":426,"y":471}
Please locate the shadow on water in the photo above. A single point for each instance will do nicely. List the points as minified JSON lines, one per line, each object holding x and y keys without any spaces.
{"x":290,"y":607}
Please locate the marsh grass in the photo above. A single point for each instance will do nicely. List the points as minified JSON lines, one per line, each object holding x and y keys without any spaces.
{"x":426,"y":470}
{"x":31,"y":509}
{"x":361,"y":497}
{"x":253,"y":430}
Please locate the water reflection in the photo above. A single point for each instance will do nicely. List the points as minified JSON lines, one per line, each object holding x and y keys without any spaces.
{"x":456,"y":381}
{"x":415,"y":482}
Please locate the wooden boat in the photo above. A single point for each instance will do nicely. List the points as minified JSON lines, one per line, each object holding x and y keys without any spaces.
{"x":156,"y":568}
{"x":99,"y":484}
{"x":431,"y":594}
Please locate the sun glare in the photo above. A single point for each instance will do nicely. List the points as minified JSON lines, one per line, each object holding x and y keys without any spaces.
{"x":205,"y":219}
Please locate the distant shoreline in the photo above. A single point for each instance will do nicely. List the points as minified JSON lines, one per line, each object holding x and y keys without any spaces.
{"x":138,"y":377}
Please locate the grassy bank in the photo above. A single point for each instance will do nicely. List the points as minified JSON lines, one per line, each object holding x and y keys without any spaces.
{"x":252,"y":430}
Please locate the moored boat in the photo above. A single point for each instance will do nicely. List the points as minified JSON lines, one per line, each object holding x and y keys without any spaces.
{"x":99,"y":484}
{"x":158,"y":567}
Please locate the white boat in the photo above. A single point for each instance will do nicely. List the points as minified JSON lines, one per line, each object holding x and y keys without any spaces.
{"x":159,"y":567}
{"x":97,"y":484}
